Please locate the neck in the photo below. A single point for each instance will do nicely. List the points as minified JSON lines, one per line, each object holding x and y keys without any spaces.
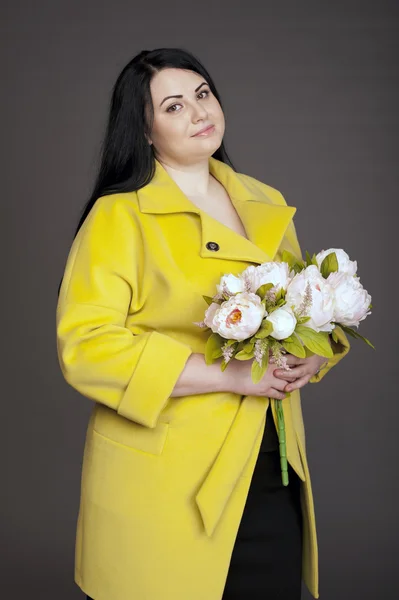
{"x":194,"y":180}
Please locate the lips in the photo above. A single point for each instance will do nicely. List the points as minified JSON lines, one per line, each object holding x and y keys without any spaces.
{"x":203,"y":130}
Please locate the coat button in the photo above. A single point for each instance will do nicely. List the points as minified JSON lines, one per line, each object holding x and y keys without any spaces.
{"x":212,"y":246}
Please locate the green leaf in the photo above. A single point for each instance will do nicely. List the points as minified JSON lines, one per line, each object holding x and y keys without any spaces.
{"x":261,"y":291}
{"x":288,"y":258}
{"x":292,"y":261}
{"x":265,"y":329}
{"x":334,"y":336}
{"x":249,"y":346}
{"x":348,"y":329}
{"x":366,"y":340}
{"x":242,"y":355}
{"x":267,"y":325}
{"x":208,"y":300}
{"x":316,"y":341}
{"x":257,"y":371}
{"x":302,"y":320}
{"x":261,"y":334}
{"x":355,"y":334}
{"x":298,"y":268}
{"x":308,"y":259}
{"x":308,"y":352}
{"x":293,"y":345}
{"x":329,"y":265}
{"x":213,"y":348}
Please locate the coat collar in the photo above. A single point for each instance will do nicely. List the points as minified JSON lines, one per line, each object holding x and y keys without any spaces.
{"x":264,"y":221}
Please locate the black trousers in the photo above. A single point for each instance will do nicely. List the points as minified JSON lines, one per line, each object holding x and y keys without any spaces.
{"x":267,"y":556}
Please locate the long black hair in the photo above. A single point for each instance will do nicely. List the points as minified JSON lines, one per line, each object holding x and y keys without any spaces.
{"x":127,"y":160}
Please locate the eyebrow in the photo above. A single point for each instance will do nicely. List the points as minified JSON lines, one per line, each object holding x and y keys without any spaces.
{"x":180,"y":95}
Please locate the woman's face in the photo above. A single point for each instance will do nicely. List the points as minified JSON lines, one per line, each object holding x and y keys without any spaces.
{"x":177,"y":120}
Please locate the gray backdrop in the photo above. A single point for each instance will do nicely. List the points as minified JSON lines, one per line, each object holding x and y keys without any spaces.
{"x":311,"y":102}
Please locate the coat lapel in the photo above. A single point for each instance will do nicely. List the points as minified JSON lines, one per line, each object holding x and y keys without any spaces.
{"x":265,"y":222}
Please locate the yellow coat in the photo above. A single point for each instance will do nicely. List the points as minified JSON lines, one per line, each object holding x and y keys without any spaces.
{"x":165,"y":479}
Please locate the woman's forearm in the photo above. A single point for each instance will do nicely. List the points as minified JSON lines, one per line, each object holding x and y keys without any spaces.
{"x":200,"y":378}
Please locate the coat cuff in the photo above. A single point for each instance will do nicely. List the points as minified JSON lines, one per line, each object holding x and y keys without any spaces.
{"x":154,"y":378}
{"x":340,"y":349}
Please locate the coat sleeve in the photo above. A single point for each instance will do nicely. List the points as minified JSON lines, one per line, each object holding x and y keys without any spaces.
{"x":134,"y":374}
{"x":339,"y":349}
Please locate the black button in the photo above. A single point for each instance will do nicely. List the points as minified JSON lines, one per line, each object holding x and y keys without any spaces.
{"x":212,"y":246}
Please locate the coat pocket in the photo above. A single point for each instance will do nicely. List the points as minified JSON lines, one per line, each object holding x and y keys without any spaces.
{"x":108,"y":423}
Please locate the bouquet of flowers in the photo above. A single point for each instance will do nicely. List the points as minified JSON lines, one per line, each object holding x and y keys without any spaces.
{"x":283,"y":307}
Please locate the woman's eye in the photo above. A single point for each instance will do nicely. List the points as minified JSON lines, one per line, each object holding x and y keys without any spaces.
{"x":204,"y":92}
{"x":207,"y":92}
{"x":171,"y":107}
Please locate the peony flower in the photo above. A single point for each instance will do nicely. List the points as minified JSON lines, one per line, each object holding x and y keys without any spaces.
{"x":237,"y":318}
{"x":345,"y":265}
{"x":283,"y":321}
{"x":230,"y":284}
{"x":321,"y":311}
{"x":351,"y":299}
{"x":276,"y":273}
{"x":210,"y":313}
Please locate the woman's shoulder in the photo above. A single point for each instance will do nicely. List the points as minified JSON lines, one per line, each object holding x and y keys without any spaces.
{"x":116,"y":203}
{"x":113,"y":211}
{"x":114,"y":218}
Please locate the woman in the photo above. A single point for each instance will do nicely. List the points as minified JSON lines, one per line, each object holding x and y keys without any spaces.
{"x":181,"y":493}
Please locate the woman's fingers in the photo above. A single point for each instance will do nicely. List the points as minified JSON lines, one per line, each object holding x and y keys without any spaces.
{"x":278,"y":384}
{"x":297,"y":384}
{"x":291,"y":360}
{"x":286,"y":377}
{"x":293,"y":373}
{"x":277,"y":394}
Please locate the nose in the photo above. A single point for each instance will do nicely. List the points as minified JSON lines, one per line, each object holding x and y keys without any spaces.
{"x":199,"y":112}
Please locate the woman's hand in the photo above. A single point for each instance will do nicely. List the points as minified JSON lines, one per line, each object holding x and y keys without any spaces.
{"x":302,"y":370}
{"x":240,"y":381}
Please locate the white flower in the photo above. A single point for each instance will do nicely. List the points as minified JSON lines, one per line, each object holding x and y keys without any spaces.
{"x":210,"y":313}
{"x":231,"y":284}
{"x":351,"y":299}
{"x":283,"y":321}
{"x":237,"y":318}
{"x":345,"y":265}
{"x":276,"y":273}
{"x":321,"y":311}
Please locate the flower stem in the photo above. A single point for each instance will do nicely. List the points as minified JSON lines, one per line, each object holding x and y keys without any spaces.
{"x":282,"y":443}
